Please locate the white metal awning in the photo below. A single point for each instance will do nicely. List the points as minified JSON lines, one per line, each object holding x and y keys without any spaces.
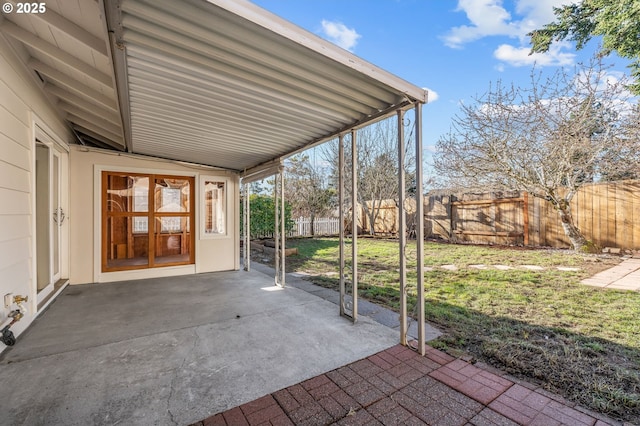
{"x":226,"y":83}
{"x":219,"y":82}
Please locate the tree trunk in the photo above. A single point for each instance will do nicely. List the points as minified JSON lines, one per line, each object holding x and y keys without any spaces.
{"x":372,"y":223}
{"x":578,"y":241}
{"x":369,"y":216}
{"x":312,"y":224}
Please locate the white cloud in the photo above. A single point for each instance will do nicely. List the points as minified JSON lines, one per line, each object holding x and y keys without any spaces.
{"x":432,"y":95}
{"x":536,"y":13}
{"x":339,"y":34}
{"x":489,"y":18}
{"x":520,"y":57}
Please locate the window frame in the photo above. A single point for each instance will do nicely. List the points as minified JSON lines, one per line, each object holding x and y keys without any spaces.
{"x":203,"y":209}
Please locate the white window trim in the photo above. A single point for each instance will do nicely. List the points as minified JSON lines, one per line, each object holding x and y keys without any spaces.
{"x":203,"y":206}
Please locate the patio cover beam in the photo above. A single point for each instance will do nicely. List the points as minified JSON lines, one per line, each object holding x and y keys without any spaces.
{"x":73,"y":85}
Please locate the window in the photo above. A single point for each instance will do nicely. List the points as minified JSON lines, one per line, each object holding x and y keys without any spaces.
{"x":146,"y":221}
{"x":215,"y":204}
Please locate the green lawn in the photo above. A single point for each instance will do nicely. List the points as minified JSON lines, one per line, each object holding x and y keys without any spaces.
{"x":542,"y":325}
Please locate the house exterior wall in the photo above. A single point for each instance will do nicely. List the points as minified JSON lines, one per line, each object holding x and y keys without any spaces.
{"x":211,"y":254}
{"x":22,"y":107}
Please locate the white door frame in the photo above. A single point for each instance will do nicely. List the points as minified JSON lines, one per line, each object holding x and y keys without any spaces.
{"x":58,"y":229}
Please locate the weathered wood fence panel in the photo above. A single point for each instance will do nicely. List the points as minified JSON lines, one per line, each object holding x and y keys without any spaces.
{"x":496,"y":218}
{"x":437,"y":216}
{"x":607,"y":213}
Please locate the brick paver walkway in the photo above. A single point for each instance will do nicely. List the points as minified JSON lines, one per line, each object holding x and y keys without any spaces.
{"x":399,"y":387}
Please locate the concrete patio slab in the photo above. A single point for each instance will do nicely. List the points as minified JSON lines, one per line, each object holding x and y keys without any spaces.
{"x":174,"y":350}
{"x":376,"y":312}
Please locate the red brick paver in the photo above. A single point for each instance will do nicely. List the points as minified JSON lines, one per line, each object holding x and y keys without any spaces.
{"x":399,"y":387}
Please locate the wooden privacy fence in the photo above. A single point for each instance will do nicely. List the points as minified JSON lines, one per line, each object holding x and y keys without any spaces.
{"x":386,"y":220}
{"x":608,"y":214}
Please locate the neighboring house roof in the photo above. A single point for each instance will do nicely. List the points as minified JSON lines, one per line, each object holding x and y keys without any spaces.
{"x":220,"y":82}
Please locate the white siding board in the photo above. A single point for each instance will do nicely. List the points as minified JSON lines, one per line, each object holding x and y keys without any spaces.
{"x":15,"y":178}
{"x":14,"y":202}
{"x":14,"y":274}
{"x":14,"y":153}
{"x":18,"y":108}
{"x":14,"y":251}
{"x":14,"y":227}
{"x":12,"y":127}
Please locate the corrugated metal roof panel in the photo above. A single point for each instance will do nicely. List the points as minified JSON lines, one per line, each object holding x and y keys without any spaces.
{"x":231,"y":85}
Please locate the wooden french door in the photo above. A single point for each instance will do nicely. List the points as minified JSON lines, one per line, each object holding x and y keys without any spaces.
{"x":147,"y":221}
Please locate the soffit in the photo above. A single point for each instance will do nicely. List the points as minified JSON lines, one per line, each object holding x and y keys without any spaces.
{"x":65,"y":48}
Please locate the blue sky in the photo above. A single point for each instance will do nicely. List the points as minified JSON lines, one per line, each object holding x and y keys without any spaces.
{"x":454,"y":48}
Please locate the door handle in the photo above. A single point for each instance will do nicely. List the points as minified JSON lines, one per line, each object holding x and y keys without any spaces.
{"x":59,"y":217}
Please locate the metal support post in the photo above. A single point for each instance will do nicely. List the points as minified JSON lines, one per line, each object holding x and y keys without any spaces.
{"x":276,"y":236}
{"x":420,"y":230}
{"x":402,"y":230}
{"x":341,"y":216}
{"x":247,"y":227}
{"x":283,"y":254}
{"x":354,"y":224}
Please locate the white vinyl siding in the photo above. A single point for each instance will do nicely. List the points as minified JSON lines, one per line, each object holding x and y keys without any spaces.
{"x":21,"y":103}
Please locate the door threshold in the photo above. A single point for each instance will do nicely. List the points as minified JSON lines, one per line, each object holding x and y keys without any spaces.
{"x":57,"y":288}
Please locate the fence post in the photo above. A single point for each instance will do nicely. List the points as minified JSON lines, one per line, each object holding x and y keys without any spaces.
{"x":525,"y":216}
{"x":451,"y":239}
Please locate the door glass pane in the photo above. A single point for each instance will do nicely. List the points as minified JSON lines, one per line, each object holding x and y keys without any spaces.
{"x":127,"y":193}
{"x":43,"y":217}
{"x":57,"y":216}
{"x":172,"y":239}
{"x":141,"y":220}
{"x":172,"y":195}
{"x":127,"y":246}
{"x":215,"y":210}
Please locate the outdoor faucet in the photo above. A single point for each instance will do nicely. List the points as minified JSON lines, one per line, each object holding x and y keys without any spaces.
{"x":20,"y":299}
{"x":6,"y":336}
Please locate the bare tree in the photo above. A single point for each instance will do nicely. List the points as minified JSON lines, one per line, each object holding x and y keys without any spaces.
{"x":377,"y":165}
{"x":548,"y":139}
{"x":306,"y":189}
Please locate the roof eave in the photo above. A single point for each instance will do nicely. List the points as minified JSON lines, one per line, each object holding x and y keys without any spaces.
{"x":284,"y":28}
